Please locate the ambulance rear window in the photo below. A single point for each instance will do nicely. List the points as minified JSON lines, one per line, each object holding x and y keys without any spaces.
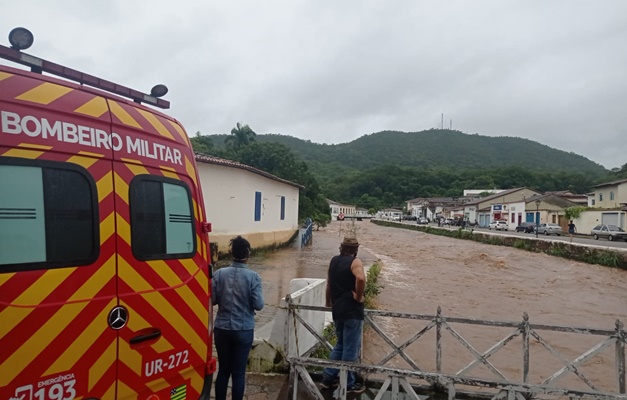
{"x":162,"y":223}
{"x":48,"y":215}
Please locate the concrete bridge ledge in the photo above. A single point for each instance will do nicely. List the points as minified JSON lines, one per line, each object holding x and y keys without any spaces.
{"x":268,"y":351}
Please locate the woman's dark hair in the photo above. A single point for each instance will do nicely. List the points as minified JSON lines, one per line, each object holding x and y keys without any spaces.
{"x":240,"y":248}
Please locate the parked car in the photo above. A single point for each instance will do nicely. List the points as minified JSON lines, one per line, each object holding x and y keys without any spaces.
{"x":498,"y":225}
{"x":611,"y":232}
{"x":527,"y":227}
{"x":422,"y":221}
{"x":549,"y":229}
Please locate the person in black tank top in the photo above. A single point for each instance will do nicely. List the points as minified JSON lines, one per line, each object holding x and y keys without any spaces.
{"x":346,"y":282}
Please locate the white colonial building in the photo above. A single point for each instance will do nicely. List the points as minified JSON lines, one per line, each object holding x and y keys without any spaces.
{"x":242,"y":200}
{"x":339,"y":209}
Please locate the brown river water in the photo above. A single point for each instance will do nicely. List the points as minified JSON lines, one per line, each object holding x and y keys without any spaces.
{"x":472,"y":280}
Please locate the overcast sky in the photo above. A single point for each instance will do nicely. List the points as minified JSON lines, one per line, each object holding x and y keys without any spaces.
{"x":553,"y":71}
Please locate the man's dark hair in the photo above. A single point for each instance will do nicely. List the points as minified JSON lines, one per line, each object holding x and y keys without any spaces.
{"x":240,"y":248}
{"x":348,"y":250}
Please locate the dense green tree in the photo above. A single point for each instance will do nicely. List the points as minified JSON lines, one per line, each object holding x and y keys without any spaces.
{"x":202,"y":144}
{"x":241,"y":135}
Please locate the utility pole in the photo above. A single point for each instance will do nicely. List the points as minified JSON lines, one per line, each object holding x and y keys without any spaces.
{"x":451,"y":124}
{"x":442,"y":123}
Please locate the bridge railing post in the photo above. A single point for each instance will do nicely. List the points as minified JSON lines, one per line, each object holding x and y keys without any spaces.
{"x":620,"y":356}
{"x":438,"y":340}
{"x":525,"y":341}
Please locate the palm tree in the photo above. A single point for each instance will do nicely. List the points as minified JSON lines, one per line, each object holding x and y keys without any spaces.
{"x":241,"y":135}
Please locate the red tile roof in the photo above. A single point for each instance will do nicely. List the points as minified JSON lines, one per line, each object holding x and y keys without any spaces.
{"x":234,"y":164}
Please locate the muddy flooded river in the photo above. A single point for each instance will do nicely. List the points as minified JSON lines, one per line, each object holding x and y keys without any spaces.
{"x":467,"y":279}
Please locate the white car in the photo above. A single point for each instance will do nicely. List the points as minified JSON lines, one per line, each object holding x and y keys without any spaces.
{"x":498,"y":225}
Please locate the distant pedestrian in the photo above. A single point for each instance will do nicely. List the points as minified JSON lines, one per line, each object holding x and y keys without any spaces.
{"x":236,"y":290}
{"x":346,"y":283}
{"x":571,"y":229}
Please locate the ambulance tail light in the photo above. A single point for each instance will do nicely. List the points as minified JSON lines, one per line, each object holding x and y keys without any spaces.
{"x":21,"y":39}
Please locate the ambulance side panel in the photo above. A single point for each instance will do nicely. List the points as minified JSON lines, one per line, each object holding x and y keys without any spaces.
{"x":104,"y":282}
{"x":162,"y":258}
{"x":57,"y":241}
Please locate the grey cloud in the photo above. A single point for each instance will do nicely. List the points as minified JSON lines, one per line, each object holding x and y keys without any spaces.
{"x":553,"y":72}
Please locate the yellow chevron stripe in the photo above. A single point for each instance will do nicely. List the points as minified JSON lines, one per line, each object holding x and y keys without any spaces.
{"x":76,"y":350}
{"x":165,"y":272}
{"x":137,"y":322}
{"x":138,"y":284}
{"x":137,"y":169}
{"x":110,"y":393}
{"x":203,"y":282}
{"x":193,"y":302}
{"x":89,"y":154}
{"x":45,"y":93}
{"x":180,"y":131}
{"x":121,"y":187}
{"x":131,"y":160}
{"x":104,"y":186}
{"x":23,"y":153}
{"x":124,"y":229}
{"x":199,"y":245}
{"x":94,"y":107}
{"x":163,"y":131}
{"x":41,"y":288}
{"x":176,"y":319}
{"x":107,"y":228}
{"x":85,"y":162}
{"x":34,"y":146}
{"x":197,"y":381}
{"x":104,"y":362}
{"x":190,"y":266}
{"x":125,"y":392}
{"x":122,"y":115}
{"x":191,"y":171}
{"x":4,"y":75}
{"x":196,"y":210}
{"x":4,"y":278}
{"x":15,"y":315}
{"x":169,"y":174}
{"x":158,"y":384}
{"x":131,"y":277}
{"x":41,"y":339}
{"x":129,"y":356}
{"x":96,"y":282}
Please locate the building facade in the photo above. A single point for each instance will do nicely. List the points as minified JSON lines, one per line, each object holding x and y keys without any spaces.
{"x":242,"y":200}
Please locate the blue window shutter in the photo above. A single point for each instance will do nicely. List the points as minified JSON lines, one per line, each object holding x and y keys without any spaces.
{"x":282,"y":208}
{"x":257,"y":206}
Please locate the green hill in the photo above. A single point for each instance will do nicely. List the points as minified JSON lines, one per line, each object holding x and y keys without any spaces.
{"x":433,"y":149}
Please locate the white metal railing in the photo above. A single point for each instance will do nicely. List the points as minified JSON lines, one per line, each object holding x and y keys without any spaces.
{"x":498,"y":385}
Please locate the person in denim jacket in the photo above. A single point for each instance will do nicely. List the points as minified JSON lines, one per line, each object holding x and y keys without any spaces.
{"x":237,"y":291}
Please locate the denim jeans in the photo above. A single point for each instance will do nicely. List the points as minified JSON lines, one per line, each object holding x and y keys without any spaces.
{"x":233,"y":348}
{"x":347,"y":348}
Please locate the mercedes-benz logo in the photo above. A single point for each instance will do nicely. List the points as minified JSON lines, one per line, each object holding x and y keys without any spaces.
{"x":118,"y":317}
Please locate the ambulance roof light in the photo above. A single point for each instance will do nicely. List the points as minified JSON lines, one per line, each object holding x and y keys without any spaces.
{"x":21,"y":38}
{"x":159,"y":90}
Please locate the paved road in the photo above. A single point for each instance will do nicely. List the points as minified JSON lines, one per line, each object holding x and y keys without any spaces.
{"x":577,"y":238}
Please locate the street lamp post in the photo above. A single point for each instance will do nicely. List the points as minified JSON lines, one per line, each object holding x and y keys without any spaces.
{"x":537,"y":216}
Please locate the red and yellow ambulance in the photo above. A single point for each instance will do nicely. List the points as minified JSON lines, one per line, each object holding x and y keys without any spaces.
{"x":104,"y":257}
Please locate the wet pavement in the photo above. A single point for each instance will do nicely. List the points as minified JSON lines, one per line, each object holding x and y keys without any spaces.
{"x":264,"y":387}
